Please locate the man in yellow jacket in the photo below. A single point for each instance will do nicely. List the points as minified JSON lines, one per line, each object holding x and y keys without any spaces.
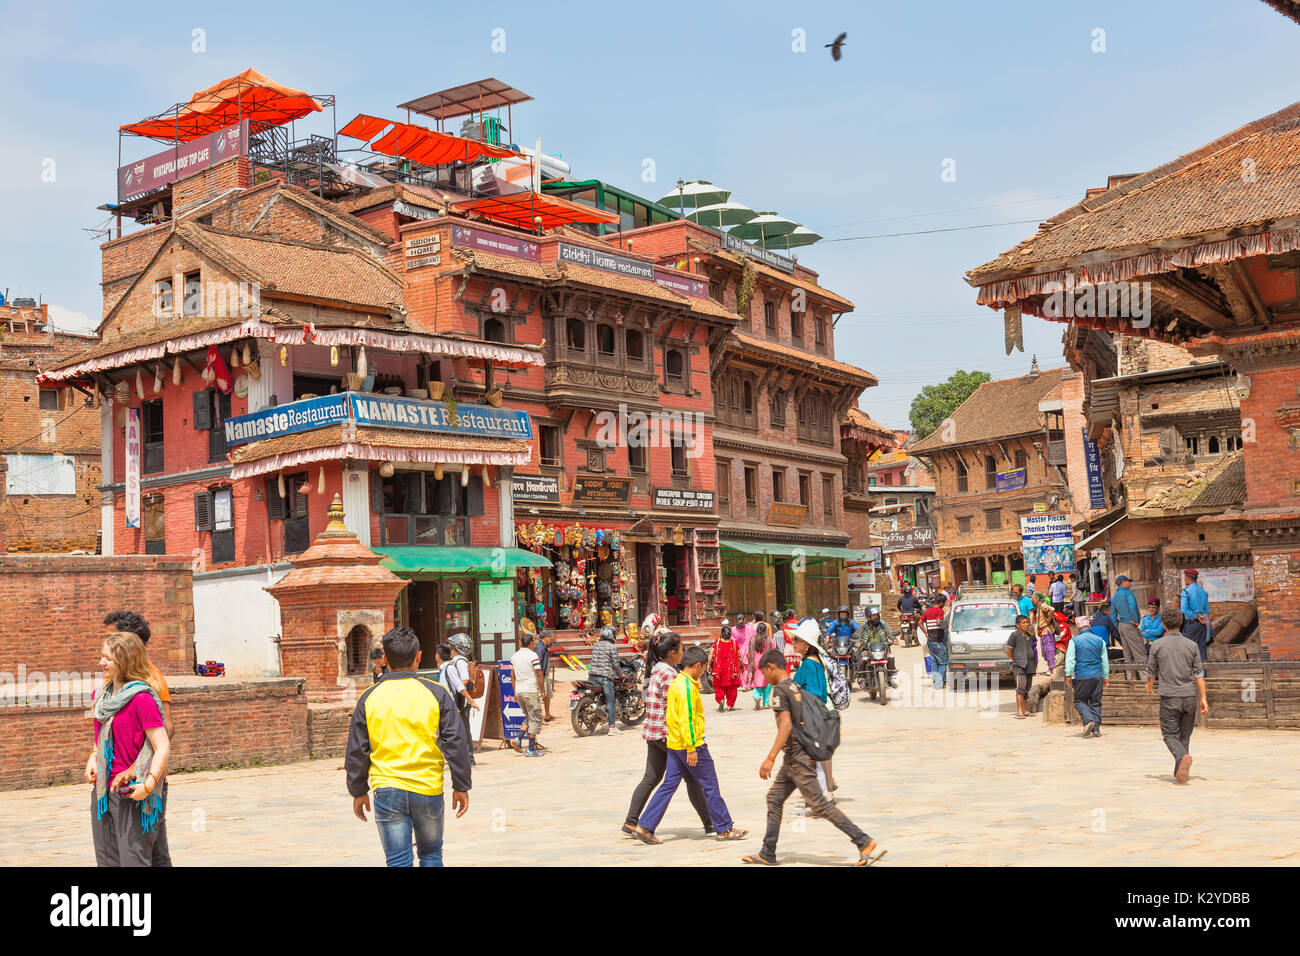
{"x":687,"y":754}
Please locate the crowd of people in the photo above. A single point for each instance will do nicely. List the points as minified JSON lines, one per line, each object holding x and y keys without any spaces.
{"x":784,"y":664}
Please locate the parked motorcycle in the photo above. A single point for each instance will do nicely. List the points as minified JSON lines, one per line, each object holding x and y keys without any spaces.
{"x":587,"y":708}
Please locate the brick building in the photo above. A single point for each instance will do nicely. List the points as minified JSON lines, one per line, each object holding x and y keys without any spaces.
{"x":1000,"y":456}
{"x":1170,"y":431}
{"x":779,"y":397}
{"x":1219,"y":278}
{"x":49,"y":438}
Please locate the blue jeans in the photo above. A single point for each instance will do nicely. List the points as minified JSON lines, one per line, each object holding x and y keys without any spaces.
{"x":607,"y":683}
{"x":399,"y":813}
{"x":938,"y":662}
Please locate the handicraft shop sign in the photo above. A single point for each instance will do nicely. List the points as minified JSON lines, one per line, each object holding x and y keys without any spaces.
{"x":544,"y":489}
{"x":686,"y":498}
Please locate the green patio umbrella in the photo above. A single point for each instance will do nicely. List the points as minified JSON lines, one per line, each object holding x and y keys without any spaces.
{"x":803,"y":236}
{"x":700,"y":192}
{"x":721,"y":215}
{"x":764,"y":226}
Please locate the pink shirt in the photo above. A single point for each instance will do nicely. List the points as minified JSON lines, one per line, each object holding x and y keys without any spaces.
{"x":129,"y":728}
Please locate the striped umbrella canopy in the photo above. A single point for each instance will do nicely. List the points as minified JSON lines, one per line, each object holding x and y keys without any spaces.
{"x":721,"y":215}
{"x":700,"y":192}
{"x":764,"y":226}
{"x":803,"y":236}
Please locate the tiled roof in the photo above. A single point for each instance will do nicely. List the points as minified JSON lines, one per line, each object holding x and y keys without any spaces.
{"x":995,"y":410}
{"x":1288,"y":8}
{"x":379,"y":437}
{"x":1221,"y":485}
{"x":1199,"y":193}
{"x":777,"y":275}
{"x":807,"y":360}
{"x":611,"y":280}
{"x":332,"y":273}
{"x":334,"y":213}
{"x":395,"y":192}
{"x":174,"y":329}
{"x":507,"y":265}
{"x":857,"y":418}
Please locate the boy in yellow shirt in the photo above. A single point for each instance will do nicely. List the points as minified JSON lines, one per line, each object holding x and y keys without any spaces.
{"x":687,"y":754}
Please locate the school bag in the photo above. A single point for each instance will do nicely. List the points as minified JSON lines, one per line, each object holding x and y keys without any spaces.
{"x":816,"y":727}
{"x":837,"y":685}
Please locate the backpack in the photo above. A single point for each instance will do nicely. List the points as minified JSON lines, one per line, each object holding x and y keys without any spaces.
{"x":837,"y":685}
{"x":474,"y":682}
{"x":816,"y":728}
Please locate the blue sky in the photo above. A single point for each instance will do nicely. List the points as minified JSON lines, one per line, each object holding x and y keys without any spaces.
{"x":1011,"y":91}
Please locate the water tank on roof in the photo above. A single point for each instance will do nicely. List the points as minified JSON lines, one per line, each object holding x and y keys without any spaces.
{"x":23,"y":303}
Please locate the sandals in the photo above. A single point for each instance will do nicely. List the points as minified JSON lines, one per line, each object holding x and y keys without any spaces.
{"x":627,"y":830}
{"x":759,"y":859}
{"x":732,"y":834}
{"x":869,"y":859}
{"x":646,"y":837}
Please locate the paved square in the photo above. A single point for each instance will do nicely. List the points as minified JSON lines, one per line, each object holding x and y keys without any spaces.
{"x":935,"y":786}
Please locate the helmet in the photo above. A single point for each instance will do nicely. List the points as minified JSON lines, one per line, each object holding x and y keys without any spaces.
{"x":844,"y":609}
{"x":607,"y":633}
{"x":461,"y":643}
{"x":789,"y":614}
{"x":875,"y":612}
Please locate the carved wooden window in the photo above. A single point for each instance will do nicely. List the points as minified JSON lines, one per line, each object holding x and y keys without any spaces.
{"x":634,"y":343}
{"x":605,"y":339}
{"x":962,"y":478}
{"x":990,"y":472}
{"x":577,"y":335}
{"x":494,"y":330}
{"x":776,"y":408}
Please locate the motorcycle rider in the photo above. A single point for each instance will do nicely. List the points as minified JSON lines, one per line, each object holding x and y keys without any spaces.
{"x":875,"y":629}
{"x":909,"y":606}
{"x":840,"y":633}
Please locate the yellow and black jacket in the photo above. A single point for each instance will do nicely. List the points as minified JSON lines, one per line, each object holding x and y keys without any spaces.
{"x":406,"y":732}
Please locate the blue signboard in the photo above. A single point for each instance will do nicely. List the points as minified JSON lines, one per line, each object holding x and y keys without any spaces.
{"x":512,"y":715}
{"x":1008,"y":480}
{"x":483,"y":420}
{"x":1092,"y":458}
{"x":286,"y":419}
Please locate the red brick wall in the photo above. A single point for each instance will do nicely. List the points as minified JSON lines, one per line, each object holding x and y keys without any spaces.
{"x":1271,"y":463}
{"x":218,"y":722}
{"x":1277,"y":592}
{"x":212,"y":182}
{"x":51,"y":617}
{"x":47,"y":522}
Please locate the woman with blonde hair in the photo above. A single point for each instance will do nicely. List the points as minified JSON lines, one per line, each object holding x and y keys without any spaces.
{"x":129,"y":758}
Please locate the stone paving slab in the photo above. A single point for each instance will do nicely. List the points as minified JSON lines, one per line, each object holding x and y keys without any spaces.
{"x":936,"y":786}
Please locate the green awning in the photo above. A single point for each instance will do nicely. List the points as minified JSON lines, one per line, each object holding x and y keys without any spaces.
{"x":409,"y":561}
{"x":782,"y":549}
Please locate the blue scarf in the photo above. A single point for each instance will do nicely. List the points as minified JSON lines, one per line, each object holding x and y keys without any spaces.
{"x":108,"y":703}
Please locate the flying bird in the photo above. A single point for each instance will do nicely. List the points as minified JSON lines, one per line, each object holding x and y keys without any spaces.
{"x":837,"y":46}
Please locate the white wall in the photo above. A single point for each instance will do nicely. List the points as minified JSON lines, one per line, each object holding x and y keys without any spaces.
{"x":235,"y":621}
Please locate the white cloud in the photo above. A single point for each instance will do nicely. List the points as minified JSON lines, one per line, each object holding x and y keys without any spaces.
{"x":66,"y":320}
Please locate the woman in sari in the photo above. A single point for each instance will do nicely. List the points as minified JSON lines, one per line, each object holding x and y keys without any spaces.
{"x":760,"y":643}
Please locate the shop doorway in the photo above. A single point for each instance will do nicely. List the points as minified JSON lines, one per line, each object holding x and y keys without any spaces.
{"x":645,"y":580}
{"x":439,"y":609}
{"x":678,"y":589}
{"x":784,"y":575}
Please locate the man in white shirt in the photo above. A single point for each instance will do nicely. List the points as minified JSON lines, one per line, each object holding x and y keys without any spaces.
{"x":526,"y":671}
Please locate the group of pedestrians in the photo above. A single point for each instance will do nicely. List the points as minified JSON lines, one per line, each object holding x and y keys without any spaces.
{"x":1167,"y":646}
{"x":677,"y":750}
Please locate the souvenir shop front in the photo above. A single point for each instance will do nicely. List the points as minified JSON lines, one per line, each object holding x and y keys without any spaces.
{"x":614,"y":576}
{"x":588,"y":582}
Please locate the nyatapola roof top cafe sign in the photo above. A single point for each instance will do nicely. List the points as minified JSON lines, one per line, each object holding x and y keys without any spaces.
{"x":379,"y":411}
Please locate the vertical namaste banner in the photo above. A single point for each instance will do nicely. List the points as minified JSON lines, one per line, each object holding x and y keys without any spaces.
{"x":133,"y":467}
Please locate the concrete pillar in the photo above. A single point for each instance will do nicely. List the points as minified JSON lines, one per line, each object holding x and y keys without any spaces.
{"x":505,"y":485}
{"x":106,"y":431}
